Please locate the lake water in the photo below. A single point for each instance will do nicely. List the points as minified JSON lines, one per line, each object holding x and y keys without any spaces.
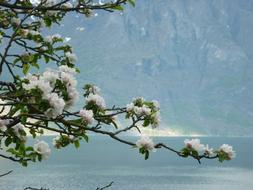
{"x":103,"y":160}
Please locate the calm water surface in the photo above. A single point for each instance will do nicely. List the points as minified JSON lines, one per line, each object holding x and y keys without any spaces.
{"x":103,"y":160}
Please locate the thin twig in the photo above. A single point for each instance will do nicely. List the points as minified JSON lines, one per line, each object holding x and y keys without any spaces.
{"x":105,"y":187}
{"x":7,"y":173}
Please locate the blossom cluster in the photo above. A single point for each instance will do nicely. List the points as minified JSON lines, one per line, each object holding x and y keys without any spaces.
{"x":47,"y":3}
{"x":146,"y":143}
{"x":17,"y":130}
{"x":64,"y":140}
{"x":93,"y":98}
{"x":225,"y":152}
{"x":228,"y":151}
{"x":42,"y":148}
{"x":87,"y":116}
{"x":150,"y":111}
{"x":96,"y":100}
{"x":57,"y":88}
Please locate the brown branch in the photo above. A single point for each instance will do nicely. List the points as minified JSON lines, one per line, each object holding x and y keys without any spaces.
{"x":32,"y":188}
{"x":79,"y":7}
{"x":105,"y":187}
{"x":12,"y":39}
{"x":7,"y":173}
{"x":13,"y":159}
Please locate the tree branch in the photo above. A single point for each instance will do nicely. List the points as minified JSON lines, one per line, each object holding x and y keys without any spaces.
{"x":105,"y":187}
{"x":7,"y":173}
{"x":57,"y":7}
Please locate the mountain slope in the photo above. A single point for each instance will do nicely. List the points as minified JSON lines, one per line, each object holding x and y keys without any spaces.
{"x":195,"y":57}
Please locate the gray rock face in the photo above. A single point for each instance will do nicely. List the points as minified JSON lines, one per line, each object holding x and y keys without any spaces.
{"x":195,"y":57}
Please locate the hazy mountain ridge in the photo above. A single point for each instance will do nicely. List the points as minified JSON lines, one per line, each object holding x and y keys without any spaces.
{"x":195,"y":57}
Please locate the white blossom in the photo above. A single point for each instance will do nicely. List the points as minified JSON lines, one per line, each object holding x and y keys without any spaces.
{"x":24,"y":32}
{"x":19,"y":132}
{"x":101,"y":2}
{"x":35,"y":2}
{"x":130,"y":107}
{"x":50,"y":39}
{"x":15,"y":21}
{"x":208,"y":151}
{"x":71,"y":57}
{"x":80,"y":28}
{"x":194,"y":144}
{"x":67,"y":39}
{"x":67,"y":5}
{"x":68,"y":79}
{"x":72,"y":138}
{"x":43,"y":149}
{"x":95,"y":89}
{"x":157,"y":119}
{"x":156,"y":104}
{"x":73,"y":96}
{"x":51,"y":13}
{"x":36,"y":82}
{"x":87,"y":115}
{"x":146,"y":143}
{"x":41,"y":47}
{"x":228,"y":150}
{"x":66,"y":69}
{"x":50,"y":3}
{"x":3,"y":124}
{"x":96,"y":99}
{"x":57,"y":103}
{"x":34,"y":32}
{"x":145,"y":110}
{"x":138,"y":107}
{"x":47,"y":3}
{"x":141,"y":99}
{"x":137,"y":110}
{"x":46,"y":83}
{"x":56,"y":142}
{"x":50,"y":76}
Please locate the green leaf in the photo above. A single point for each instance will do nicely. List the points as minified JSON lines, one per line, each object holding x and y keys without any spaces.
{"x":8,"y":141}
{"x":195,"y":154}
{"x":26,"y":68}
{"x":39,"y":157}
{"x":15,"y":109}
{"x":77,"y":144}
{"x":142,"y":150}
{"x":46,"y":58}
{"x":185,"y":152}
{"x":118,"y":7}
{"x":222,"y":156}
{"x":11,"y":150}
{"x":29,"y":148}
{"x":16,"y":60}
{"x":47,"y":21}
{"x":23,"y":119}
{"x":86,"y":138}
{"x":24,"y":163}
{"x":146,"y":154}
{"x":34,"y":64}
{"x":132,"y":2}
{"x":146,"y":123}
{"x":77,"y":70}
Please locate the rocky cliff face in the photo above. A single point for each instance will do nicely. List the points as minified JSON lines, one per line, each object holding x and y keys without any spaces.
{"x":195,"y":57}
